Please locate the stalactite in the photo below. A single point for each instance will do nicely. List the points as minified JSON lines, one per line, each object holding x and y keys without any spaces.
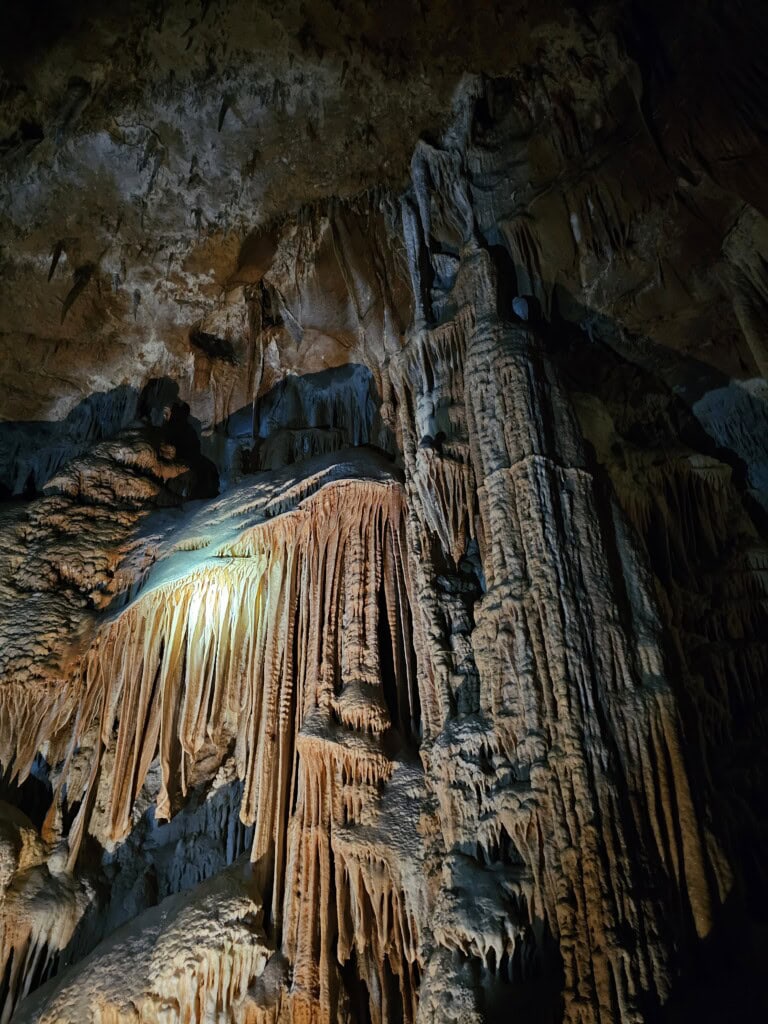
{"x":685,"y":512}
{"x":575,"y":708}
{"x":430,"y":382}
{"x":451,"y":717}
{"x":542,"y":566}
{"x":41,"y":906}
{"x":270,"y":648}
{"x":170,"y":670}
{"x":29,"y":727}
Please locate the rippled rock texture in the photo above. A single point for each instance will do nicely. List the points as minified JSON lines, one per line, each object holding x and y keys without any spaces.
{"x":383,"y":565}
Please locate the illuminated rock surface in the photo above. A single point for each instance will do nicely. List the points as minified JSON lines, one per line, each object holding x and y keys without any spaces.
{"x":383,"y":570}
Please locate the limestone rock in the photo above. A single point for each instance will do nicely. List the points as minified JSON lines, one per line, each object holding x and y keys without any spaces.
{"x":383,"y":567}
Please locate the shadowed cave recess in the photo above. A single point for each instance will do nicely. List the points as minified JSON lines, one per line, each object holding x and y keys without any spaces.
{"x":383,"y":512}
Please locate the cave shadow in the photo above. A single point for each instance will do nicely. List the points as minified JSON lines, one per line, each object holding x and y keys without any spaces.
{"x":526,"y":985}
{"x":724,"y":979}
{"x":33,"y":796}
{"x":39,"y":448}
{"x":330,"y":410}
{"x":684,"y":379}
{"x":33,"y":451}
{"x":308,"y":414}
{"x":156,"y":860}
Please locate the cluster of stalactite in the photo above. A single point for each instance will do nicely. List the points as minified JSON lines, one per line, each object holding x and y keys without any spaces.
{"x":546,"y":703}
{"x":498,"y":613}
{"x":709,"y":563}
{"x":39,"y":913}
{"x":292,"y":649}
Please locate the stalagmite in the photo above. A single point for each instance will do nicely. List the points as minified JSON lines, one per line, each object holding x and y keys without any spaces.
{"x":192,"y":958}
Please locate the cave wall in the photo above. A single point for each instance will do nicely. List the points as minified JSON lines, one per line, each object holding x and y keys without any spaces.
{"x":383,"y":596}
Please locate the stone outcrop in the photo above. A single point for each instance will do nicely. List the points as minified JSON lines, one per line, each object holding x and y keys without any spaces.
{"x":383,"y":590}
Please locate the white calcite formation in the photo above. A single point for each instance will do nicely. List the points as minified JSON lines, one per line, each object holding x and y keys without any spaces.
{"x":423,"y":683}
{"x":193,"y":958}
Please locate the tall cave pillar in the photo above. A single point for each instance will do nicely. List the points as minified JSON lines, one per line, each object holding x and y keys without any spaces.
{"x":573,"y":687}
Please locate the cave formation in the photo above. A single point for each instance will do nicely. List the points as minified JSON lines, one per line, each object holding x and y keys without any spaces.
{"x":384,"y":520}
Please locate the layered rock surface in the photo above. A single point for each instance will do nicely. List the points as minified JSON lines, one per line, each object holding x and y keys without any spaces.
{"x":383,"y":578}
